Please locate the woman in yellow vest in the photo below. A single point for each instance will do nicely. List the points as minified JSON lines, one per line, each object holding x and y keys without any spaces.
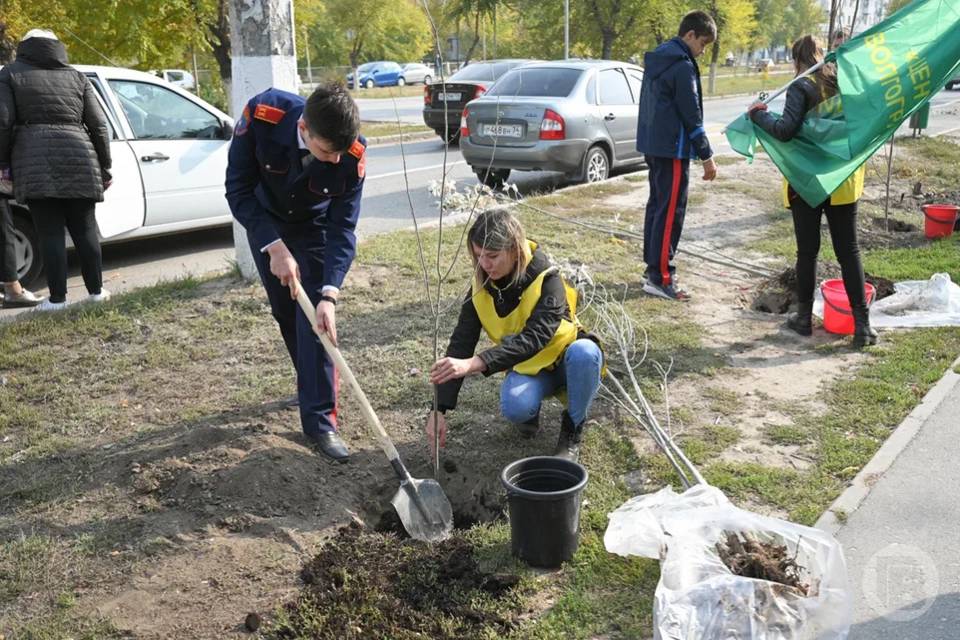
{"x":840,"y":208}
{"x":529,"y":313}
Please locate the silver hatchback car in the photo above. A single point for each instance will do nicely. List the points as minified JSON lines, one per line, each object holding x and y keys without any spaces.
{"x":574,"y":116}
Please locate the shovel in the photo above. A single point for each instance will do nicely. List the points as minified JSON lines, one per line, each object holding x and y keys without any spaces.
{"x":423,"y":507}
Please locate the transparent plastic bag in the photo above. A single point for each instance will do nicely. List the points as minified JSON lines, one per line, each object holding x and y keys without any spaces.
{"x":699,"y":598}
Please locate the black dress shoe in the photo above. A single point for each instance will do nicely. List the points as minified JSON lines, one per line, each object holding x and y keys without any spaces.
{"x":331,"y":445}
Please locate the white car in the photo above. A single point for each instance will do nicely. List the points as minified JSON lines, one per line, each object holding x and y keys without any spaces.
{"x":179,"y":77}
{"x":169,"y":152}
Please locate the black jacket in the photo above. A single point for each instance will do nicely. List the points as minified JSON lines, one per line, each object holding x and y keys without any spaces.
{"x":802,"y":96}
{"x":536,"y":334}
{"x":53,"y":133}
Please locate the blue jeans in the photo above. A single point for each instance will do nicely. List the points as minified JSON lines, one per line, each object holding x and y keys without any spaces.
{"x":578,"y":371}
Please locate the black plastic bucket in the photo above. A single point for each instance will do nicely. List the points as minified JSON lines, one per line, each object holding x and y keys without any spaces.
{"x":543,"y":494}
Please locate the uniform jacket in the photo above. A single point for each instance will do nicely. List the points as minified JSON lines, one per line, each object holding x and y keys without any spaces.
{"x":53,"y":133}
{"x":802,"y":96}
{"x":271,"y":193}
{"x":537,"y":333}
{"x":670,"y":124}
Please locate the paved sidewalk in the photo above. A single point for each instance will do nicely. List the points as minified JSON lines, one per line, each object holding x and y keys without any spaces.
{"x":901,"y":543}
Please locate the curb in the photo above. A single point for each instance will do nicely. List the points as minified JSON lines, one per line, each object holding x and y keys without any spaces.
{"x":860,"y":487}
{"x":396,"y":137}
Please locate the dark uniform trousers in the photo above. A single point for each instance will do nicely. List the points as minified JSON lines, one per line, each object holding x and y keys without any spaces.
{"x":277,"y":191}
{"x":663,"y":222}
{"x":316,"y":376}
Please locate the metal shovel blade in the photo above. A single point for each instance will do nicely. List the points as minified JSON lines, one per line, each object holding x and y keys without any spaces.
{"x":424,"y":510}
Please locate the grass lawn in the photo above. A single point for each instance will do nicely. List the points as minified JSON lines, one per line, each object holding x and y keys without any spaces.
{"x":378,"y":129}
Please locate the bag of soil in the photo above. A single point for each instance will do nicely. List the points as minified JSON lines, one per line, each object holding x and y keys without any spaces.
{"x":728,"y":573}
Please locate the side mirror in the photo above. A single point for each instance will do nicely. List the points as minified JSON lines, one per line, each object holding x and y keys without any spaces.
{"x":226,"y":130}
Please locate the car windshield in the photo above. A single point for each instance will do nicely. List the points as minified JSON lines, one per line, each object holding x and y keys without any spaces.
{"x":549,"y":83}
{"x":488,"y":71}
{"x":366,"y":66}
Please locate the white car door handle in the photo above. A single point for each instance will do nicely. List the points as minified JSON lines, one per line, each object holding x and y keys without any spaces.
{"x":154,"y":157}
{"x":610,"y":116}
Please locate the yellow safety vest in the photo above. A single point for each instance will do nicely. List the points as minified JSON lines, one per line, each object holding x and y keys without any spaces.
{"x":498,"y":328}
{"x":848,"y":192}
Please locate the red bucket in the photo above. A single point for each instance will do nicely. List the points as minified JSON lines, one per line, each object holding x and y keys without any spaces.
{"x":939,"y":219}
{"x":837,"y":317}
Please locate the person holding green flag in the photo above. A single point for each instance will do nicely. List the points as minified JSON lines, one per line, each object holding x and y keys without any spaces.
{"x":813,"y":92}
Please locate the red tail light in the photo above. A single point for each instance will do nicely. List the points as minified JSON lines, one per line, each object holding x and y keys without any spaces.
{"x":426,"y":94}
{"x":552,"y":127}
{"x":464,"y":129}
{"x":479,"y":91}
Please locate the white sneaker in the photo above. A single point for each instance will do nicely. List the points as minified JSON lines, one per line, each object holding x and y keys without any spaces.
{"x":103,"y":296}
{"x":46,"y":305}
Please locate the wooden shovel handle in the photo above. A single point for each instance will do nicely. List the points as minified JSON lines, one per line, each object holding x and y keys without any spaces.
{"x":385,"y":443}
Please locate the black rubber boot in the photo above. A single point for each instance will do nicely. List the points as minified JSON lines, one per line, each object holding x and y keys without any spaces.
{"x":530,"y":428}
{"x":863,"y":335}
{"x":568,"y":444}
{"x":802,"y":321}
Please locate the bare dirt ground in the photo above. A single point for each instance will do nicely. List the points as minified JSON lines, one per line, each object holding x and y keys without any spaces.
{"x":198,"y":522}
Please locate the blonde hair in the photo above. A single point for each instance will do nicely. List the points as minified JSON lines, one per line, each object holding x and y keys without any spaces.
{"x":498,"y":230}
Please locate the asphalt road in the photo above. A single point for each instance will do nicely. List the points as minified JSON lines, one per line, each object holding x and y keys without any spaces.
{"x":386,"y":206}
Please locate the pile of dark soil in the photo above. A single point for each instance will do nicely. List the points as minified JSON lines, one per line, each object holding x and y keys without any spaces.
{"x":370,"y":585}
{"x":761,"y":560}
{"x":779,"y":293}
{"x":895,"y":225}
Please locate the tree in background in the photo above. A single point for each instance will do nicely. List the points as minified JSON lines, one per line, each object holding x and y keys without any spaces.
{"x":736,"y":25}
{"x":7,"y":45}
{"x":476,"y":11}
{"x":895,"y":5}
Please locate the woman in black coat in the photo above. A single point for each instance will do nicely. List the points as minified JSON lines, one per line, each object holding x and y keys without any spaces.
{"x":55,"y":146}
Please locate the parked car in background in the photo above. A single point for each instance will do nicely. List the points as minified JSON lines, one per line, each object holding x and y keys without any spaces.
{"x":574,"y":116}
{"x":415,"y":73}
{"x":443,"y":103}
{"x":178,"y":77}
{"x":169,"y":152}
{"x":383,"y":73}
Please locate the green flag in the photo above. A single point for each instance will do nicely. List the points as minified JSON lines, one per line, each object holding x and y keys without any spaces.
{"x":884,"y":74}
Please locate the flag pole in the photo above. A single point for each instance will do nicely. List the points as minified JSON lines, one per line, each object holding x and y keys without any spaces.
{"x":773,"y":96}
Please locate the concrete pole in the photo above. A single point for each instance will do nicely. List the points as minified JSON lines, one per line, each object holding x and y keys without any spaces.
{"x":263,"y":54}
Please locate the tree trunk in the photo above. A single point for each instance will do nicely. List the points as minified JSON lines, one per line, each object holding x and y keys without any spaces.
{"x":834,"y":10}
{"x":476,"y":40}
{"x":714,"y":54}
{"x":609,"y":35}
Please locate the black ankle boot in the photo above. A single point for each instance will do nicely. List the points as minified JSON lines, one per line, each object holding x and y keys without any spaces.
{"x":568,"y":444}
{"x":530,"y":428}
{"x":863,"y":335}
{"x":802,"y":320}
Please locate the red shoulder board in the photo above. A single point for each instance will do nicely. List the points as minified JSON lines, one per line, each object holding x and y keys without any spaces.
{"x":356,"y":149}
{"x":269,"y":114}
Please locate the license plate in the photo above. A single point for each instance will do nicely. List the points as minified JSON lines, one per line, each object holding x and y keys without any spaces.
{"x":502,"y":130}
{"x":452,"y":96}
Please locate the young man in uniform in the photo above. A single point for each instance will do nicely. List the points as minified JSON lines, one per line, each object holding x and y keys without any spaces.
{"x":670,"y":132}
{"x":294,"y":181}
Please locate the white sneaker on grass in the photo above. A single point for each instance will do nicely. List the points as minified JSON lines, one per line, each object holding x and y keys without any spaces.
{"x":103,"y":296}
{"x":46,"y":305}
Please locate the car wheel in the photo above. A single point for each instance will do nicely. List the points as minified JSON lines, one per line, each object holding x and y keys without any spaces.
{"x":427,"y":79}
{"x":950,"y":86}
{"x":368,"y":84}
{"x":493,"y":178}
{"x":26,"y":248}
{"x":401,"y":82}
{"x":596,"y":165}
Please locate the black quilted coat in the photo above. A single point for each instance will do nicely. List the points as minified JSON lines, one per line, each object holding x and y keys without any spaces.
{"x":53,"y":133}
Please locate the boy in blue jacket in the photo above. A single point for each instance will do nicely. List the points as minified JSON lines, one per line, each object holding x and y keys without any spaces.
{"x":670,"y":132}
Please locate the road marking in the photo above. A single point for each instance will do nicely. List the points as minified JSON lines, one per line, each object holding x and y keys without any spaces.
{"x":400,"y":173}
{"x":947,"y":132}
